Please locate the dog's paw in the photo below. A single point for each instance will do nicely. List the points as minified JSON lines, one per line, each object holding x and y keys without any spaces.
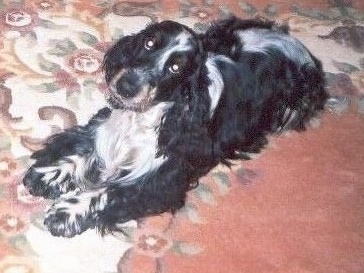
{"x":51,"y":181}
{"x":69,"y":217}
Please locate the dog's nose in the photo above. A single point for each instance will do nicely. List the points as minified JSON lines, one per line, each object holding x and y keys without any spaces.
{"x":127,"y":87}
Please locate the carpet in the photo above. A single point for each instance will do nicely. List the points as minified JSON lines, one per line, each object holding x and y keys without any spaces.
{"x":296,"y":208}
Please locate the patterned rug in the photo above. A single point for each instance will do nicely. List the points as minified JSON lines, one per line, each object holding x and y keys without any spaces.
{"x":298,"y":207}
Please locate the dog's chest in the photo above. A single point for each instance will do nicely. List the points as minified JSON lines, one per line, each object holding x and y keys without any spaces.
{"x":127,"y":143}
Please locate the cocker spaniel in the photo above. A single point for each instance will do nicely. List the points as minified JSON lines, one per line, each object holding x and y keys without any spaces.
{"x":181,"y":103}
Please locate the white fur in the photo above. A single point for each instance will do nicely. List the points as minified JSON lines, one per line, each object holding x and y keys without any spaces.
{"x":179,"y":44}
{"x":63,"y":168}
{"x":216,"y":86}
{"x":74,"y":165}
{"x":81,"y":208}
{"x":128,"y":141}
{"x":289,"y":116}
{"x":258,"y":40}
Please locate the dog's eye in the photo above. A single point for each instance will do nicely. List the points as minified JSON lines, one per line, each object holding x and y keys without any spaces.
{"x":149,"y":44}
{"x":175,"y":68}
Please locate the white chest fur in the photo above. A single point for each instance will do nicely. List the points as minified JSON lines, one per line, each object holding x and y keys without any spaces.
{"x":127,"y":142}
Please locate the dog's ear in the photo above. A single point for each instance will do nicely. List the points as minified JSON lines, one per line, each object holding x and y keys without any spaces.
{"x":185,"y":122}
{"x":118,"y":56}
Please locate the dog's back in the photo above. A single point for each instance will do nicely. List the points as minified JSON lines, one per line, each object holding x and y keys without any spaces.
{"x":280,"y":84}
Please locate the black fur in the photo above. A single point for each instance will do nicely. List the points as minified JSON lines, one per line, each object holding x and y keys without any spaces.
{"x":269,"y":83}
{"x":263,"y":93}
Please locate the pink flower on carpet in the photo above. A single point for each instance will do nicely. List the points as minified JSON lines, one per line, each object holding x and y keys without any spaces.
{"x":152,"y":243}
{"x":85,"y":62}
{"x":18,"y":19}
{"x":12,"y":224}
{"x":7,"y":166}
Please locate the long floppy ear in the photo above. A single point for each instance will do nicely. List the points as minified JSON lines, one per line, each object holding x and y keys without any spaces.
{"x":184,"y":130}
{"x":117,"y":56}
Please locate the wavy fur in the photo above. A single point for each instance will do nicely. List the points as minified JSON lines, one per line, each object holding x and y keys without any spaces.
{"x":181,"y":104}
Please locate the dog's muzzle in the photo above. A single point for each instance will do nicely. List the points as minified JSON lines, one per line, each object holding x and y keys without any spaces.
{"x":126,"y":92}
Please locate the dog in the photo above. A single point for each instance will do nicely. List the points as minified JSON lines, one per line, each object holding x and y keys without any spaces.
{"x":181,"y":102}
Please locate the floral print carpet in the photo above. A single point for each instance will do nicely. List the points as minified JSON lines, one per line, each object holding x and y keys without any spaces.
{"x":298,"y":207}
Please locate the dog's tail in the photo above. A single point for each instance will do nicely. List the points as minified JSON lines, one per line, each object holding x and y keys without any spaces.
{"x":308,"y":99}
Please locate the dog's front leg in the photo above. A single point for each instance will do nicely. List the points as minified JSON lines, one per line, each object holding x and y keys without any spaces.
{"x":161,"y":191}
{"x":75,"y":212}
{"x":63,"y":162}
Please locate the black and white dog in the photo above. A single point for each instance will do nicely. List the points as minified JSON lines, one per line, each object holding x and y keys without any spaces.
{"x":181,"y":104}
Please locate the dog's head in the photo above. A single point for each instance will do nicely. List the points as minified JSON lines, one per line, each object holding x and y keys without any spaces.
{"x":147,"y":67}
